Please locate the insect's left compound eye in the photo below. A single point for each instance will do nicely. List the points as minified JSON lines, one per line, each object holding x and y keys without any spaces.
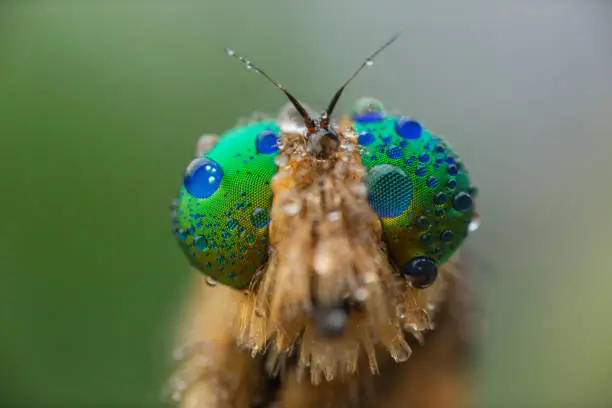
{"x":222,"y":213}
{"x":418,"y":187}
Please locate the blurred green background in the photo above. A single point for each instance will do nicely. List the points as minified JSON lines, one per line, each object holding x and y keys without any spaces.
{"x":101,"y":103}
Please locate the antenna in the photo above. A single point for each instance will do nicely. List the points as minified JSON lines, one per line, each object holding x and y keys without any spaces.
{"x":249,"y":65}
{"x":368,"y":62}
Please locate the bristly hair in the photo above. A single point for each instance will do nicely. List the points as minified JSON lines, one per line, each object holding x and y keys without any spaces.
{"x":326,"y":248}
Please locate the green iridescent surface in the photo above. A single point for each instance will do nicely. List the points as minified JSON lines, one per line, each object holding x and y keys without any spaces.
{"x":225,"y":235}
{"x":411,"y":184}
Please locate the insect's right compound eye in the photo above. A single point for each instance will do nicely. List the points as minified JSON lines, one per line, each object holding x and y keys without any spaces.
{"x":419,"y":188}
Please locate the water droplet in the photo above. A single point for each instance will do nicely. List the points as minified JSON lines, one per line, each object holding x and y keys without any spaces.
{"x":399,"y":354}
{"x":181,"y":234}
{"x":451,"y":184}
{"x":422,"y":223}
{"x":421,"y":271}
{"x":359,"y":189}
{"x":462,"y":201}
{"x":267,"y":142}
{"x":292,"y":208}
{"x":365,"y":138}
{"x":330,"y":321}
{"x":408,"y":128}
{"x":452,"y":169}
{"x":260,"y":218}
{"x":180,"y":385}
{"x":202,"y":177}
{"x":370,"y":277}
{"x":230,"y":52}
{"x":281,"y":160}
{"x":440,"y":198}
{"x":368,"y":110}
{"x":474,"y":224}
{"x":200,"y":243}
{"x":178,"y":354}
{"x":369,"y":63}
{"x":361,"y":294}
{"x":473,"y":190}
{"x":400,"y":310}
{"x":210,"y":281}
{"x":394,"y":152}
{"x":333,"y":216}
{"x":432,"y":181}
{"x":289,"y":113}
{"x":446,"y":235}
{"x":426,"y":239}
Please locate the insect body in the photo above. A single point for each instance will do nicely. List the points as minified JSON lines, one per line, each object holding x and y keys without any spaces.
{"x":339,"y":233}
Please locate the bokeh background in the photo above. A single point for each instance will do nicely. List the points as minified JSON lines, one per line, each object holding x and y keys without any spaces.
{"x":101,"y":103}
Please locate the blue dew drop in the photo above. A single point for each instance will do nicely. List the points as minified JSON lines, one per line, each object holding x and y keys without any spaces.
{"x":200,"y":243}
{"x":394,"y":152}
{"x":389,"y":190}
{"x":432,"y":181}
{"x":408,"y":128}
{"x":365,"y":138}
{"x":202,"y":177}
{"x":368,"y":110}
{"x":260,"y":217}
{"x":181,"y":234}
{"x":267,"y":142}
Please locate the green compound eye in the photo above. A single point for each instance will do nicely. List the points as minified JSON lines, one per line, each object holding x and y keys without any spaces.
{"x":223,"y":208}
{"x":418,"y":187}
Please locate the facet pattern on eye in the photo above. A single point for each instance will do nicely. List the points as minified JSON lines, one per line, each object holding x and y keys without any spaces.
{"x":435,"y":220}
{"x":223,"y":209}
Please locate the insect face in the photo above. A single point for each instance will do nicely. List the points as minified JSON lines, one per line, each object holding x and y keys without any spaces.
{"x":336,"y":228}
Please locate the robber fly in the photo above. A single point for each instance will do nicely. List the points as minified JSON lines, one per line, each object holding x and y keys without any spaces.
{"x":329,"y":270}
